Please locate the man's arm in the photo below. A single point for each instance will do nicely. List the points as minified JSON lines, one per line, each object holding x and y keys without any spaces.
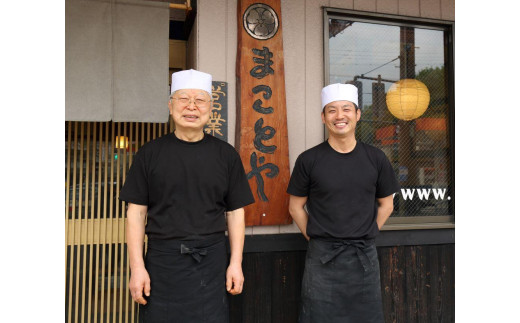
{"x":385,"y":208}
{"x":139,"y":278}
{"x":298,"y":213}
{"x":236,"y":234}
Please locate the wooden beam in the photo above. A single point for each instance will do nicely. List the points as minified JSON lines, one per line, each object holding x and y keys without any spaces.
{"x":102,"y":233}
{"x":185,"y":6}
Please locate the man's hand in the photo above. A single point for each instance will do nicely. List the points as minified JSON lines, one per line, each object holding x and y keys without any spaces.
{"x":236,"y":231}
{"x":234,"y":279}
{"x":139,"y":278}
{"x":139,"y":282}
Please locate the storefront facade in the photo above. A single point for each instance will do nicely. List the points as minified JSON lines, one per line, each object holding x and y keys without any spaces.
{"x":372,"y":44}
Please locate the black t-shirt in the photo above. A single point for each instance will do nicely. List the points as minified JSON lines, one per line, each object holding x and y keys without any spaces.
{"x":342,"y":189}
{"x":187,"y":186}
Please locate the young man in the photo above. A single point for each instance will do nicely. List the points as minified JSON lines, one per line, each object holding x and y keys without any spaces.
{"x":348,"y":187}
{"x":184,"y":186}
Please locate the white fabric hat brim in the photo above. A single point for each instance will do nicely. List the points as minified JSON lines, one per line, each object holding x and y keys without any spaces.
{"x":339,"y":92}
{"x":191,"y":79}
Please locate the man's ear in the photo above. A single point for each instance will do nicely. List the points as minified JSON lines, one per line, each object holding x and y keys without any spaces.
{"x":170,"y":106}
{"x":358,"y":113}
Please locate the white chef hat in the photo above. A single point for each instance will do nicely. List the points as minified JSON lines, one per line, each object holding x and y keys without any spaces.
{"x":339,"y":92}
{"x":191,"y":79}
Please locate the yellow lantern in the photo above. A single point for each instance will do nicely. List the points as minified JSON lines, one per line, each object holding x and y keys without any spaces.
{"x":407,"y":99}
{"x":121,"y":142}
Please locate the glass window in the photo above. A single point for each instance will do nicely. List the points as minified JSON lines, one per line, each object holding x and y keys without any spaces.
{"x":404,"y":75}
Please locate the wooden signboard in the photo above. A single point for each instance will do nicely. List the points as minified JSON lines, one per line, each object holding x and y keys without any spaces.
{"x":217,"y":124}
{"x":261,"y":135}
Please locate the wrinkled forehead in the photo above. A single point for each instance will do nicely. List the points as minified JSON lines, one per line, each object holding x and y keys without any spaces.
{"x":191,"y":93}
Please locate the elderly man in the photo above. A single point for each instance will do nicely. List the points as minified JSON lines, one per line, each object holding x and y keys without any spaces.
{"x":181,"y":190}
{"x":348,"y":188}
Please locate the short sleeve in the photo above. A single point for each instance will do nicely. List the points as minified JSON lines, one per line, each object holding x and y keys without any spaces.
{"x":386,"y":181}
{"x":239,"y":193}
{"x":135,"y":188}
{"x":300,"y":180}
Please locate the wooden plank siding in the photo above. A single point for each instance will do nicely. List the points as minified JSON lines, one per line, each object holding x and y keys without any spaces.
{"x":417,"y":284}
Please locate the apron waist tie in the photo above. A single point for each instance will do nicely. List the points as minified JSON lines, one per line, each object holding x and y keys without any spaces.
{"x":338,"y":246}
{"x":197,"y":248}
{"x":196,"y":253}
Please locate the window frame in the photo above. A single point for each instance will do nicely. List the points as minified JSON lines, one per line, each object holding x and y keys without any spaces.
{"x":448,"y":27}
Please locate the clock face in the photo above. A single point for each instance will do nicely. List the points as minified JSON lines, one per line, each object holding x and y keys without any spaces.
{"x":260,"y":21}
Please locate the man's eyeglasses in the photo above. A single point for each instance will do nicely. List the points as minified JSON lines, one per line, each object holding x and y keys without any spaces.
{"x":198,"y":102}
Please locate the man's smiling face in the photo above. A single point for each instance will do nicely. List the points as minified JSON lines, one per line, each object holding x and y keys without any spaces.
{"x":190,"y":108}
{"x":340,"y":117}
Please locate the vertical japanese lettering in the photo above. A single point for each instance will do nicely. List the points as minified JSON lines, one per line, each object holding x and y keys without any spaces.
{"x":256,"y":171}
{"x":260,"y":71}
{"x":263,"y":133}
{"x":257,"y":105}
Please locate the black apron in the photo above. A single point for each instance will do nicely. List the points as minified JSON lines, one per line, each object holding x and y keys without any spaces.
{"x":188,"y":281}
{"x":341,"y":282}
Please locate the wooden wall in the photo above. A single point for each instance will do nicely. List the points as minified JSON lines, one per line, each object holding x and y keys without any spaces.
{"x":417,"y":283}
{"x":212,"y":48}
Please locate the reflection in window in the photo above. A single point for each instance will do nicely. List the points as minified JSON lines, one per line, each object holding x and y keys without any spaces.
{"x":375,"y":57}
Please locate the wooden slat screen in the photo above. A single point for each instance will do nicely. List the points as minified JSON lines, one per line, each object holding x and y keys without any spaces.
{"x":96,"y":262}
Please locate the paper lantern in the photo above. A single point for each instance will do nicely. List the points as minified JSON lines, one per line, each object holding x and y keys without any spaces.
{"x":121,"y":142}
{"x":407,"y":99}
